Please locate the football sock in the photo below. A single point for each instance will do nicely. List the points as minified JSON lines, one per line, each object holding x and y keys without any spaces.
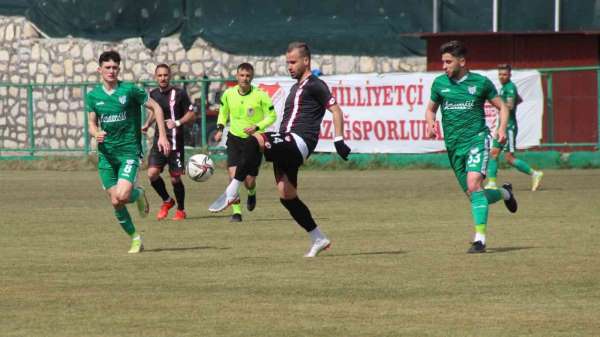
{"x":300,"y":213}
{"x":252,"y":191}
{"x":505,"y":193}
{"x":479,"y":208}
{"x":160,"y":188}
{"x":493,"y":196}
{"x":236,"y":208}
{"x":492,"y":170}
{"x":179,"y":191}
{"x":480,"y":233}
{"x":250,"y":160}
{"x":233,"y":188}
{"x":134,"y":195}
{"x":125,"y":220}
{"x":522,"y":166}
{"x":316,"y":234}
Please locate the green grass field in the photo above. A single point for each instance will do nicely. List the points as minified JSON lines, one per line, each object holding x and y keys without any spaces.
{"x":397,"y":266}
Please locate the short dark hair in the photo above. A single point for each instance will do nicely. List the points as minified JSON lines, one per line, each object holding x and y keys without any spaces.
{"x":454,"y":48}
{"x":302,"y":48}
{"x":504,"y":66}
{"x":163,"y":65}
{"x":246,"y":66}
{"x":109,"y":55}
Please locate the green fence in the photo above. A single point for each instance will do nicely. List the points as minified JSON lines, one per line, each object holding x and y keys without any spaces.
{"x":42,"y":119}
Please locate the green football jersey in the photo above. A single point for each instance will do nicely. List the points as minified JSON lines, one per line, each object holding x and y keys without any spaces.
{"x":509,"y":90}
{"x":243,"y":111}
{"x":461,"y":103}
{"x":120,"y":116}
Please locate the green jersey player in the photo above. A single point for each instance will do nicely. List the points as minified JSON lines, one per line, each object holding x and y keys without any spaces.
{"x":511,"y":98}
{"x":115,"y":120}
{"x":461,"y":96}
{"x":249,"y":111}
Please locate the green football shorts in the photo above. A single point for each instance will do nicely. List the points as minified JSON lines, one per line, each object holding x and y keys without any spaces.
{"x":113,"y":168}
{"x":470,"y":156}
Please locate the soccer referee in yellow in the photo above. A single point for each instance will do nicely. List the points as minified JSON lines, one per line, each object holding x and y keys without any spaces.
{"x":249,"y":110}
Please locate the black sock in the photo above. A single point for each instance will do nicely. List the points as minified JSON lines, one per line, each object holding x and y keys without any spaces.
{"x":300,"y":213}
{"x":250,"y":159}
{"x":160,"y":188}
{"x":179,"y":190}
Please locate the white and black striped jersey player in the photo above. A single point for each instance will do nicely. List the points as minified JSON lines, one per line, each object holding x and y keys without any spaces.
{"x":297,"y":138}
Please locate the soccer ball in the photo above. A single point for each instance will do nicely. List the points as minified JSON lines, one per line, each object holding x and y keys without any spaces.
{"x":200,"y":167}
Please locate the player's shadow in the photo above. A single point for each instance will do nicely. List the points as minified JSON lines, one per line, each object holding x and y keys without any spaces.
{"x":211,"y":216}
{"x":388,"y":252}
{"x":507,"y":249}
{"x":179,"y":249}
{"x":281,"y":219}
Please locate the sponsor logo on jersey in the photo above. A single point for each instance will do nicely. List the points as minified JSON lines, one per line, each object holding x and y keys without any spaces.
{"x":446,"y":90}
{"x":122,"y":99}
{"x":472,"y":90}
{"x":100,"y":103}
{"x":250,"y":112}
{"x":459,"y":106}
{"x":113,"y":118}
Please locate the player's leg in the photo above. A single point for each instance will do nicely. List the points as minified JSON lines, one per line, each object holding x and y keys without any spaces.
{"x":236,"y":207}
{"x":251,"y":156}
{"x":476,"y":168}
{"x":288,"y":195}
{"x":176,"y":170}
{"x":250,"y":184}
{"x":521,"y":165}
{"x":492,"y":170}
{"x":115,"y":187}
{"x":156,"y":164}
{"x":235,"y":148}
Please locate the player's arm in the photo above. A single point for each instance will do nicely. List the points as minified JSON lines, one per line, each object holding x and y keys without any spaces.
{"x":223,"y":117}
{"x":149,"y":120}
{"x":338,"y":126}
{"x":189,"y":116}
{"x":430,"y":112}
{"x":503,"y":108}
{"x":93,"y":127}
{"x":163,"y":143}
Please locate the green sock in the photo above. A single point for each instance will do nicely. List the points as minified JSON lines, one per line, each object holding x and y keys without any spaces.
{"x":479,"y":208}
{"x":481,"y":229}
{"x":492,"y":196}
{"x":237,"y":208}
{"x":252,"y":191}
{"x":492,"y":170}
{"x":522,"y":166}
{"x":135,"y":194}
{"x":125,"y":220}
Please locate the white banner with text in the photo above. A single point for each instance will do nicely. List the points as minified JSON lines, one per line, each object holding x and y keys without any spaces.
{"x":385,"y":113}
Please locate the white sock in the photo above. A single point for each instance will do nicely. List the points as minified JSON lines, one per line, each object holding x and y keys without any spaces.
{"x":316,"y":234}
{"x":233,"y":188}
{"x":479,"y":237}
{"x":505,"y":194}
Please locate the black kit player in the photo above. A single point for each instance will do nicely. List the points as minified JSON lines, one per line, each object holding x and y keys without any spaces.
{"x":178,"y":110}
{"x":297,"y":138}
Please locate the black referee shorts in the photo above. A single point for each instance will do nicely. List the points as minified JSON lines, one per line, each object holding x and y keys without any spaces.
{"x":235,"y":153}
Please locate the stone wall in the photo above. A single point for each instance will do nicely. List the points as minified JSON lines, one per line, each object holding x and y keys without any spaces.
{"x":27,"y":57}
